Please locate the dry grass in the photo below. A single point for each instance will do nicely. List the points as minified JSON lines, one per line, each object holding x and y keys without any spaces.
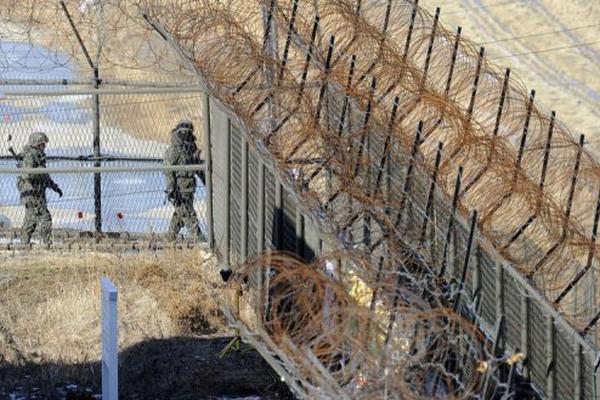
{"x":50,"y":308}
{"x":171,"y":330}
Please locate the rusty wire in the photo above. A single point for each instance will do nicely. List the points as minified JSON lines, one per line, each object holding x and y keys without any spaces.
{"x":372,"y":335}
{"x":351,"y":101}
{"x":488,"y":124}
{"x":119,"y":42}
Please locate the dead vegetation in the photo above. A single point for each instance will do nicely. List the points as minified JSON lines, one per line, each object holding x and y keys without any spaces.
{"x":50,"y":309}
{"x":171,"y":329}
{"x":50,"y":315}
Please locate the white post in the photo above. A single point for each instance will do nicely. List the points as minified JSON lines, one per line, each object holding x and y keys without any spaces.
{"x":110,"y":348}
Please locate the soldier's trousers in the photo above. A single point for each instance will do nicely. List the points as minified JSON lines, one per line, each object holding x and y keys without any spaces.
{"x":184,"y":215}
{"x":36,"y":216}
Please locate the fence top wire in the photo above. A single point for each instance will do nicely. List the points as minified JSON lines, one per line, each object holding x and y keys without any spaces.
{"x":104,"y":169}
{"x":39,"y":41}
{"x":103,"y":91}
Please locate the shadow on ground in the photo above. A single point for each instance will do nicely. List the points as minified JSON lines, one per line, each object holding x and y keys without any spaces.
{"x":176,"y":368}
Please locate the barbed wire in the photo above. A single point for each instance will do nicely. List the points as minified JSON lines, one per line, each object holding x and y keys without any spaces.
{"x":111,"y":31}
{"x":389,"y":69}
{"x":549,"y":50}
{"x":538,"y":34}
{"x":349,"y":149}
{"x":337,"y":316}
{"x":466,"y":121}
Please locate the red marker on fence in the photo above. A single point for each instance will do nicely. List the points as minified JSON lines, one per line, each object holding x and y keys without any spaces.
{"x":80,"y":215}
{"x":119,"y":215}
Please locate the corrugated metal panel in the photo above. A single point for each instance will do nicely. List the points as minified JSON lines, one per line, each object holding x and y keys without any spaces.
{"x":397,"y":171}
{"x":288,"y":229}
{"x":269,"y":209}
{"x":512,"y":311}
{"x":419,"y":193}
{"x":220,"y":151}
{"x":376,"y":232}
{"x":468,"y":358}
{"x":564,"y":365}
{"x":487,"y":307}
{"x":236,"y":193}
{"x":376,"y":149}
{"x":253,"y":211}
{"x":537,"y":345}
{"x":441,"y":218}
{"x":458,"y":253}
{"x":357,"y":230}
{"x":513,"y":291}
{"x":588,"y":376}
{"x":334,"y":107}
{"x":311,"y":240}
{"x":472,"y":267}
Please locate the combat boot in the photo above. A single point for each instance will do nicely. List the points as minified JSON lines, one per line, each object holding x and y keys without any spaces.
{"x":171,"y":237}
{"x":198,"y":236}
{"x":25,"y":239}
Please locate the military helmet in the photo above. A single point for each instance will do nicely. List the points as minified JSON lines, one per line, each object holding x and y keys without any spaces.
{"x":184,"y":124}
{"x":37,"y":138}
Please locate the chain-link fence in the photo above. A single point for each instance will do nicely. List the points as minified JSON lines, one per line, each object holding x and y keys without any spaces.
{"x":121,"y":132}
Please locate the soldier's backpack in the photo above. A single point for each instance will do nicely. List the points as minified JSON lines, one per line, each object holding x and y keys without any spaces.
{"x":23,"y":184}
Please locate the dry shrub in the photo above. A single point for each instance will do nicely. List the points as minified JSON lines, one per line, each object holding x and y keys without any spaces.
{"x":50,"y":304}
{"x":190,"y":296}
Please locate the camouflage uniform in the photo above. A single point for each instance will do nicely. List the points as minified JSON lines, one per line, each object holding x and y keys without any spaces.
{"x":181,"y":185}
{"x":33,"y":190}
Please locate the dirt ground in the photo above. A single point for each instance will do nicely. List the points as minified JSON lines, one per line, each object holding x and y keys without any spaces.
{"x":171,"y":329}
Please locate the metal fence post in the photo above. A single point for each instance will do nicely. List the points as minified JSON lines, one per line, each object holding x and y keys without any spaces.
{"x":97,"y":155}
{"x":227,"y":162}
{"x":96,"y":140}
{"x":207,"y":150}
{"x":525,"y":332}
{"x":550,"y":359}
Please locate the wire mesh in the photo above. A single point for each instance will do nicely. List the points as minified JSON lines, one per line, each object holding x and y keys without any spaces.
{"x":132,"y":130}
{"x":39,"y":41}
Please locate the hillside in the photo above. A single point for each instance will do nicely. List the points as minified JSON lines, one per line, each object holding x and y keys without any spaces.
{"x":553,"y":46}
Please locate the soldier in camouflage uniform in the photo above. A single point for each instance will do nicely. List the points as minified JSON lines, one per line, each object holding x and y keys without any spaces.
{"x":33,"y":189}
{"x":181,"y":185}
